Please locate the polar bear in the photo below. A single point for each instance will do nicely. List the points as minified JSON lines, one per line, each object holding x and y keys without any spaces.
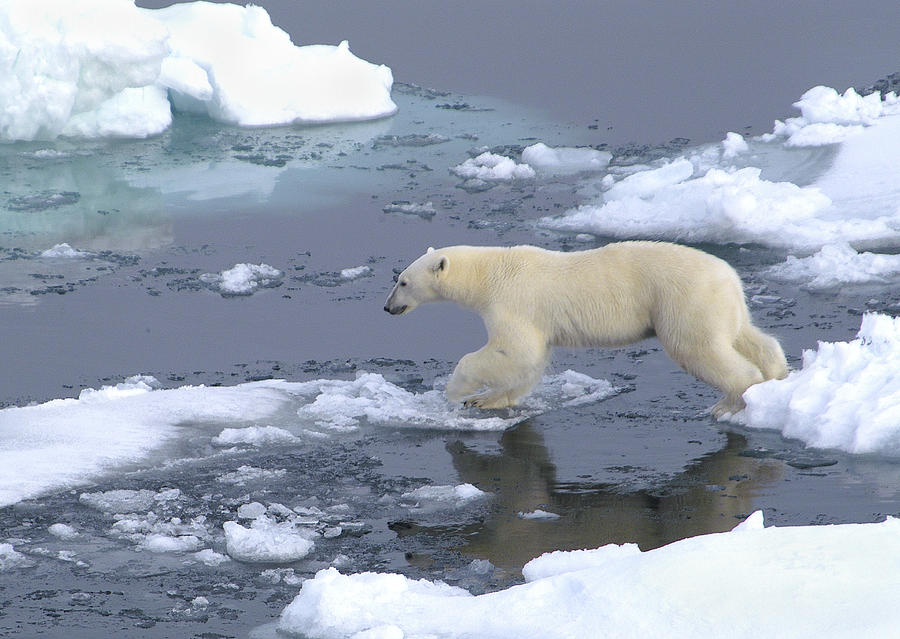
{"x":532,"y":299}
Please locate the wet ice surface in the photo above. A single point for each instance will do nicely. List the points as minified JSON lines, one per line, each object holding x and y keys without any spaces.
{"x":183,"y":537}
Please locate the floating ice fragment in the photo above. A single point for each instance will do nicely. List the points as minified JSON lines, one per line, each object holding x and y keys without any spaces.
{"x":437,"y":497}
{"x":266,"y":541}
{"x":564,"y":160}
{"x":11,"y":558}
{"x":243,"y":279}
{"x":210,"y":557}
{"x":492,"y":167}
{"x":254,"y":436}
{"x":64,"y":251}
{"x":62,"y":531}
{"x":837,"y":265}
{"x":733,"y":145}
{"x":356,"y":272}
{"x":538,"y":515}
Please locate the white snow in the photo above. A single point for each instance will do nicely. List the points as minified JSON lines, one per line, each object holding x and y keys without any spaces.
{"x":492,"y":167}
{"x":267,"y":541}
{"x":846,"y":395}
{"x":564,"y":160}
{"x":243,"y":279}
{"x":67,"y":442}
{"x":837,"y":265}
{"x":101,"y":68}
{"x":804,"y":581}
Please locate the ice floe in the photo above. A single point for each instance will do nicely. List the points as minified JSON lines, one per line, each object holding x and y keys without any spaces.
{"x":699,"y":197}
{"x":492,"y":167}
{"x":845,"y":396}
{"x":243,"y":279}
{"x":564,"y":160}
{"x":838,"y":265}
{"x":809,"y":581}
{"x":67,"y":442}
{"x":267,"y":541}
{"x":105,"y":68}
{"x":428,"y":498}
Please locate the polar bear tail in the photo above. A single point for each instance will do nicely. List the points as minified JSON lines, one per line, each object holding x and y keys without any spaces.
{"x":763,"y":350}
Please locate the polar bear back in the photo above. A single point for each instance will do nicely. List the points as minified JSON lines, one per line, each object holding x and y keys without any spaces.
{"x":610,"y":296}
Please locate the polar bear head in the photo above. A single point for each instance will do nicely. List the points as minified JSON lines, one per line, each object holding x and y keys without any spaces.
{"x":419,"y":283}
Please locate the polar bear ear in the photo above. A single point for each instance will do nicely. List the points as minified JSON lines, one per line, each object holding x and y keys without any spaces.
{"x":441,"y":265}
{"x":430,"y":250}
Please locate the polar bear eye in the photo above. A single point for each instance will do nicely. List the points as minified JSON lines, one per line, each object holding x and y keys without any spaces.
{"x":403,"y":283}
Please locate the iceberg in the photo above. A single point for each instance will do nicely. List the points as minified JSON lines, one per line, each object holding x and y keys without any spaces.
{"x":105,"y":68}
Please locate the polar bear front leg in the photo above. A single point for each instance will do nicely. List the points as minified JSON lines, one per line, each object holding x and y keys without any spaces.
{"x":498,"y":374}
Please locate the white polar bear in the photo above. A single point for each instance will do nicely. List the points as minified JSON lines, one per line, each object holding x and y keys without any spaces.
{"x":532,"y":299}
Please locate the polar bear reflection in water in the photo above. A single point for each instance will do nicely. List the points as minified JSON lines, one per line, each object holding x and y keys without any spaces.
{"x":532,"y":299}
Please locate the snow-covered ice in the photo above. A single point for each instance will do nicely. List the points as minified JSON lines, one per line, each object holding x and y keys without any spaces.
{"x":837,"y":265}
{"x":243,"y":279}
{"x":429,"y":498}
{"x":64,"y":251}
{"x":491,"y":167}
{"x":67,"y":442}
{"x":845,"y":396}
{"x":267,"y":541}
{"x":564,"y":160}
{"x":105,"y":68}
{"x":538,"y":515}
{"x":699,"y":197}
{"x":803,"y":581}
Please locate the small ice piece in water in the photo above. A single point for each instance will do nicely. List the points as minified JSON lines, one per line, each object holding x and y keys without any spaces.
{"x":11,"y":558}
{"x":437,"y":497}
{"x":64,"y":251}
{"x":120,"y":501}
{"x":251,"y":511}
{"x":356,"y":272}
{"x":492,"y":167}
{"x":210,"y":557}
{"x":266,"y":541}
{"x":245,"y":474}
{"x":564,"y":159}
{"x":538,"y":515}
{"x":733,"y":145}
{"x":425,"y":210}
{"x":243,"y":279}
{"x":158,"y":543}
{"x":62,"y":531}
{"x":254,"y":436}
{"x":837,"y":265}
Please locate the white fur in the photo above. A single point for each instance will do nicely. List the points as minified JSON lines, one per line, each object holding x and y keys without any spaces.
{"x":532,"y":299}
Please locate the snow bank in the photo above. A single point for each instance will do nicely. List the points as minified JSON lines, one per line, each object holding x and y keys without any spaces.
{"x":805,"y":581}
{"x":564,"y":159}
{"x":101,"y":68}
{"x":837,"y":265}
{"x":243,"y":279}
{"x":846,"y":395}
